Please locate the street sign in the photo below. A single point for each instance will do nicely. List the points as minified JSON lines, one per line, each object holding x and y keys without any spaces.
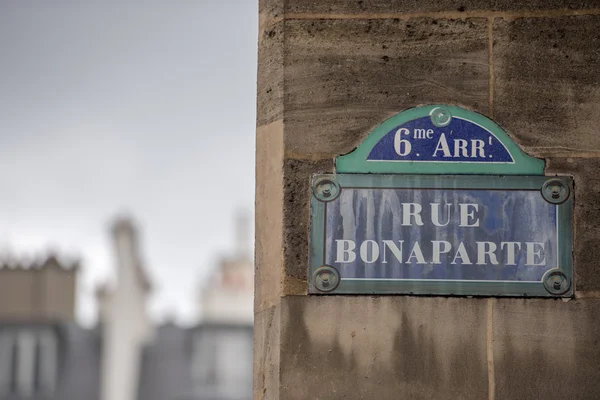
{"x":481,"y":218}
{"x":439,"y":140}
{"x":463,"y":235}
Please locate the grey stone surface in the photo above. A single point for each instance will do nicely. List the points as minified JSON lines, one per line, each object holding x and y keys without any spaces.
{"x":270,"y":9}
{"x":366,"y":347}
{"x":269,"y":215}
{"x":547,"y":85}
{"x":586,"y":252}
{"x":266,"y":354}
{"x":344,"y":77}
{"x":296,"y":200}
{"x":547,"y":349}
{"x":270,"y":73}
{"x":370,"y":347}
{"x":408,"y":6}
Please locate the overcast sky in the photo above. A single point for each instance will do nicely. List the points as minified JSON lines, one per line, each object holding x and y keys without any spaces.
{"x":141,"y":107}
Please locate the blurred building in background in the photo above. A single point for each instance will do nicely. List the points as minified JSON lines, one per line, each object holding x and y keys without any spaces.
{"x":45,"y":355}
{"x":223,"y":341}
{"x":228,"y":294}
{"x":124,"y":323}
{"x":212,"y":360}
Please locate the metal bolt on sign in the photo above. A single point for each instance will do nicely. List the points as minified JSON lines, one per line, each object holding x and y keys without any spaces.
{"x":556,"y":282}
{"x":440,"y":117}
{"x":326,"y":188}
{"x":555,"y":191}
{"x":326,"y":278}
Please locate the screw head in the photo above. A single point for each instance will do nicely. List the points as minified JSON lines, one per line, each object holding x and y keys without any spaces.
{"x":556,"y":282}
{"x":325,"y":188}
{"x":555,"y":191}
{"x":326,"y":278}
{"x":440,"y":116}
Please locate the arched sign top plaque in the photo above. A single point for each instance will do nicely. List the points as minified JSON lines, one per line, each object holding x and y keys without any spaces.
{"x":440,"y":140}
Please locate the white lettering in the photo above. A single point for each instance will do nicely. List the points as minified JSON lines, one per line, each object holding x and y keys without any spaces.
{"x":442,"y":145}
{"x":345,"y":252}
{"x":402,"y":146}
{"x":477,"y":147}
{"x":439,"y":247}
{"x":396,"y":251}
{"x":510,"y":251}
{"x":369,"y":247}
{"x":460,"y":148}
{"x":435,"y":214}
{"x":417,"y":254}
{"x":411,"y":210}
{"x":462,"y":254}
{"x":371,"y":251}
{"x":532,"y":253}
{"x":419,"y":133}
{"x":482,"y":252}
{"x":465,"y":215}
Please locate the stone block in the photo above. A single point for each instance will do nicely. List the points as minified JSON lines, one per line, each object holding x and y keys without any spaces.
{"x":586,"y":252}
{"x":297,"y":192}
{"x":417,"y":6}
{"x":344,"y":77}
{"x":547,"y":86}
{"x":546,"y":349}
{"x":266,"y":354}
{"x":269,"y":10}
{"x":366,"y":347}
{"x":269,"y":215}
{"x":270,"y":74}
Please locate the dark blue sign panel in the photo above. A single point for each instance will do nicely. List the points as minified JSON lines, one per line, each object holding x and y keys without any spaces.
{"x":440,"y":234}
{"x":447,"y":235}
{"x":459,"y":141}
{"x":439,"y":139}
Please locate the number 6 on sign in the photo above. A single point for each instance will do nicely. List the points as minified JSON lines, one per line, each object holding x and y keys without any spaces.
{"x":402,"y":144}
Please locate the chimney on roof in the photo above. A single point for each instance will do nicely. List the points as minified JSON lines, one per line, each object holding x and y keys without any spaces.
{"x":126,"y":325}
{"x":37,"y":290}
{"x":124,"y":231}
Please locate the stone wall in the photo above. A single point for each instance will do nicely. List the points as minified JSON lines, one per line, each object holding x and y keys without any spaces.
{"x":332,"y":70}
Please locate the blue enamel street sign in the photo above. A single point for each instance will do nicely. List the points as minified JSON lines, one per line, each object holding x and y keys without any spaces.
{"x":421,"y":140}
{"x":479,"y":219}
{"x":439,"y":140}
{"x":464,"y":235}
